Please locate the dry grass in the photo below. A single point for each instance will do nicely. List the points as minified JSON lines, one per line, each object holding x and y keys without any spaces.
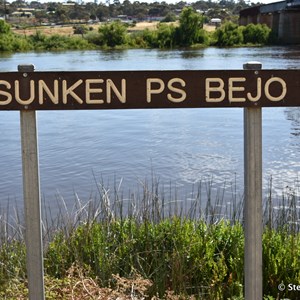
{"x":140,"y":26}
{"x":209,"y":28}
{"x":69,"y":30}
{"x":82,"y":287}
{"x":78,"y":286}
{"x":48,"y":30}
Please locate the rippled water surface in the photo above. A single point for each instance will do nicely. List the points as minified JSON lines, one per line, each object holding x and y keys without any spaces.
{"x":179,"y":146}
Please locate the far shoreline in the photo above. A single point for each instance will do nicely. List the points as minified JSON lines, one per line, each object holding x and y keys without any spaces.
{"x":68,"y":30}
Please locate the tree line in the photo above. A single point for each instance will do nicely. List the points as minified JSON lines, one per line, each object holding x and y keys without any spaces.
{"x":188,"y":32}
{"x":62,"y":13}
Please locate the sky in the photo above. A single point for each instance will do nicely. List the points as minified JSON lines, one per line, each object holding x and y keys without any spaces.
{"x":150,"y":1}
{"x":191,"y":1}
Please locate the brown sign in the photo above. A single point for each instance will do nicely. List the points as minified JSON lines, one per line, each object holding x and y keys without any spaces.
{"x":148,"y":89}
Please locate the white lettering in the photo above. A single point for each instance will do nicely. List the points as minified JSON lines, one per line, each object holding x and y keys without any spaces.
{"x":232,"y":88}
{"x":44,"y":88}
{"x":120,"y":95}
{"x":151,"y":91}
{"x":17,"y":93}
{"x":219,"y":89}
{"x":176,"y":90}
{"x":4,"y":93}
{"x":283,"y":88}
{"x":258,"y":92}
{"x":89,"y":91}
{"x":70,"y":91}
{"x":293,"y":287}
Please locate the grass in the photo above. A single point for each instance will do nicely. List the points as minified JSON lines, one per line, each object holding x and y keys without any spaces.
{"x":150,"y":246}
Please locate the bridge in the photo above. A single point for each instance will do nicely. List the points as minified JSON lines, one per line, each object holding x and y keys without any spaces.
{"x":282,"y":17}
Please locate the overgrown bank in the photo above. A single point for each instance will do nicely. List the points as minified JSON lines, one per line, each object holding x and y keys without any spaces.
{"x":108,"y":250}
{"x":186,"y":257}
{"x":188,"y":33}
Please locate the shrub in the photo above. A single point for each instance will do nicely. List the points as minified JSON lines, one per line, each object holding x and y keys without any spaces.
{"x":229,"y":34}
{"x":113,"y":34}
{"x":256,"y":34}
{"x":6,"y":43}
{"x":14,"y":43}
{"x":21,"y":44}
{"x":136,"y":40}
{"x":80,"y":29}
{"x":58,"y":42}
{"x":170,"y":17}
{"x":181,"y":255}
{"x":12,"y":260}
{"x":165,"y":36}
{"x":4,"y":27}
{"x":94,"y":38}
{"x":281,"y":261}
{"x":78,"y":43}
{"x":150,"y":38}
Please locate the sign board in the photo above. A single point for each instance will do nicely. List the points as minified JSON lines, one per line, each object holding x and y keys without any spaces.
{"x":148,"y":89}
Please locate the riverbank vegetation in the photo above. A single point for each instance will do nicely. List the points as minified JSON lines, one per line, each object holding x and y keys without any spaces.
{"x":187,"y":32}
{"x":149,"y":247}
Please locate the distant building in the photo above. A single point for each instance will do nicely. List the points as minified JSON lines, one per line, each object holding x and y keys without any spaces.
{"x":215,"y":21}
{"x":282,"y":17}
{"x":28,"y":13}
{"x":68,"y":4}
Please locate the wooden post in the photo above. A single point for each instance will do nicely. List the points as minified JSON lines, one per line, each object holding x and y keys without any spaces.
{"x":253,"y":197}
{"x":32,"y":203}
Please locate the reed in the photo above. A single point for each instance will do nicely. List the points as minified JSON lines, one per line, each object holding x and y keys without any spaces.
{"x":184,"y":248}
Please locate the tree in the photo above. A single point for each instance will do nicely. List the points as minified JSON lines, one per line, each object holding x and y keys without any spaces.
{"x":190,"y":25}
{"x":165,"y":35}
{"x":159,"y":9}
{"x":91,"y":9}
{"x":60,"y":14}
{"x":40,"y":15}
{"x":127,"y":8}
{"x":140,"y":10}
{"x":113,"y":34}
{"x":78,"y":13}
{"x":102,"y":12}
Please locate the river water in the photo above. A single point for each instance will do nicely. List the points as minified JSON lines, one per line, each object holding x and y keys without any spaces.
{"x":125,"y":148}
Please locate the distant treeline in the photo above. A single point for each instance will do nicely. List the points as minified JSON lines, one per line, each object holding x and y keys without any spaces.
{"x":55,"y":12}
{"x":188,"y":32}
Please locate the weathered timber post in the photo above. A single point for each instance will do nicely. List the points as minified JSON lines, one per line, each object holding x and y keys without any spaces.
{"x":253,"y":197}
{"x":32,"y":203}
